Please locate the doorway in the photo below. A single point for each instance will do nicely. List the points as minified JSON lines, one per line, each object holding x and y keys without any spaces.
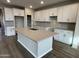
{"x":29,"y":20}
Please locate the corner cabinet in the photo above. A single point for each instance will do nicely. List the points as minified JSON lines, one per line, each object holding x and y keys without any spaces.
{"x":68,"y":13}
{"x":8,"y":12}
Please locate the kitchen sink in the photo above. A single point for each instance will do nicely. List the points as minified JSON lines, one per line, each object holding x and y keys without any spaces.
{"x":33,"y":29}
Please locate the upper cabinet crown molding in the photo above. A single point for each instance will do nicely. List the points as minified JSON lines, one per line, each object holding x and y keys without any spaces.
{"x":18,"y":12}
{"x":68,"y":13}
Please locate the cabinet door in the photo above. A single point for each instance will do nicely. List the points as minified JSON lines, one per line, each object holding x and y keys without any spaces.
{"x":21,"y":12}
{"x":53,"y":12}
{"x":18,"y":12}
{"x":38,"y":15}
{"x":70,"y":13}
{"x":46,"y":15}
{"x":35,"y":16}
{"x":59,"y":36}
{"x":8,"y":14}
{"x":15,"y":12}
{"x":60,"y":14}
{"x":13,"y":31}
{"x":42,"y":15}
{"x":10,"y":31}
{"x":68,"y":36}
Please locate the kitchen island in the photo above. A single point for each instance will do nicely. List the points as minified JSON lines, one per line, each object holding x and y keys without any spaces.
{"x":37,"y":42}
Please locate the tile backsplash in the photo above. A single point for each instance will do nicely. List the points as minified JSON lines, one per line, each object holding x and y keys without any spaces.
{"x":42,"y":24}
{"x":55,"y":24}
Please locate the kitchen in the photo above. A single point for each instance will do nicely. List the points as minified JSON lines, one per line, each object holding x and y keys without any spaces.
{"x":41,"y":25}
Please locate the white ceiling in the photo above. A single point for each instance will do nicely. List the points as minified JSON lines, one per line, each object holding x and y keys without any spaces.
{"x":35,"y":3}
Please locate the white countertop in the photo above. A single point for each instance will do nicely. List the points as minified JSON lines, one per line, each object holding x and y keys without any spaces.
{"x":35,"y":35}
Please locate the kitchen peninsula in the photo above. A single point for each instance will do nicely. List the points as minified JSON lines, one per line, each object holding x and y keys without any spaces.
{"x":37,"y":42}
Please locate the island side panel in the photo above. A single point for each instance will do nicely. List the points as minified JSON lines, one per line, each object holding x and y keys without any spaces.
{"x":45,"y":46}
{"x":29,"y":44}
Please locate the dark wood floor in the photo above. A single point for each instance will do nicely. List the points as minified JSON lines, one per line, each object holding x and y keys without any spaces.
{"x":9,"y":48}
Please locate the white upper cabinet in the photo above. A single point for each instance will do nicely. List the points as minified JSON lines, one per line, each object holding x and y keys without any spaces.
{"x":53,"y":12}
{"x":18,"y":12}
{"x":8,"y":14}
{"x":60,"y":14}
{"x":44,"y":15}
{"x":67,"y":13}
{"x":37,"y":15}
{"x":70,"y":13}
{"x":41,"y":15}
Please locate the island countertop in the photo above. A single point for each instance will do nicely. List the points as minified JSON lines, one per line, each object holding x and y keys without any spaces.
{"x":35,"y":35}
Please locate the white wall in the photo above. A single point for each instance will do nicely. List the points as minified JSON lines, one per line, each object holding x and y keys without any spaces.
{"x":76,"y":34}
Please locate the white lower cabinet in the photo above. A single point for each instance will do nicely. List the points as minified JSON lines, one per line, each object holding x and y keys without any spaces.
{"x":64,"y":36}
{"x":10,"y":31}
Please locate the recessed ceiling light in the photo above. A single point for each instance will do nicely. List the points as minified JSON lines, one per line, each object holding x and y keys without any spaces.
{"x":30,"y":6}
{"x":8,"y":1}
{"x":42,"y":2}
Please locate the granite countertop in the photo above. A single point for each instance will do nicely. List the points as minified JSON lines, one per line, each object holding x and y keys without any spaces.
{"x":35,"y":35}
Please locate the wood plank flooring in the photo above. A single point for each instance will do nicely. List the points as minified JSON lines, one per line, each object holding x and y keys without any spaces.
{"x":10,"y":48}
